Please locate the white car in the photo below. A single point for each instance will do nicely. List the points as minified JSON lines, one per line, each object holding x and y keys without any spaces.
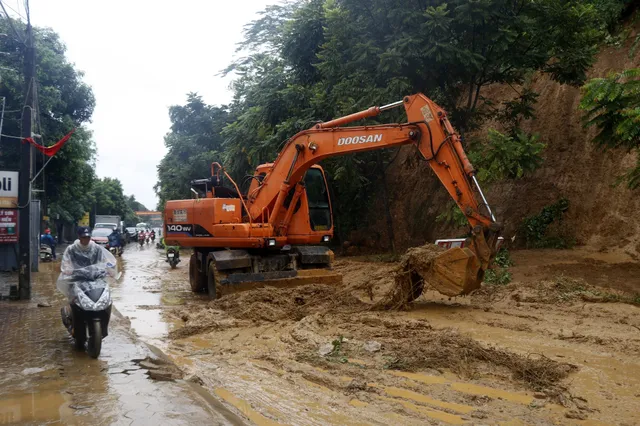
{"x":111,"y":226}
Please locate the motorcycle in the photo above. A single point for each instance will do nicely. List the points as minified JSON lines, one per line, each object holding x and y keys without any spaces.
{"x":173,"y":257}
{"x":116,"y":251}
{"x":141,"y":241}
{"x":153,"y":237}
{"x":87,"y":290}
{"x":46,"y":254}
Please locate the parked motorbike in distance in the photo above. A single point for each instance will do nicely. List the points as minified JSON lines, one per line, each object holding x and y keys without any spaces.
{"x":173,"y":257}
{"x":87,"y":290}
{"x":46,"y":255}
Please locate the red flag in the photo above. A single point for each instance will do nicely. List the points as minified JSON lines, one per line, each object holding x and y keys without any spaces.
{"x":50,"y":151}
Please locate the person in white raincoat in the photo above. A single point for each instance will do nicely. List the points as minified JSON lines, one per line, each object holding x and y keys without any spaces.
{"x":85,"y":265}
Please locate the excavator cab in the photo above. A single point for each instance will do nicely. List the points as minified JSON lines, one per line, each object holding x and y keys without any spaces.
{"x":320,"y":217}
{"x":314,"y":200}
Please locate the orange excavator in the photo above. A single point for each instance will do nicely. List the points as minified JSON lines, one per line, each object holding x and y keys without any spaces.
{"x":277,"y":233}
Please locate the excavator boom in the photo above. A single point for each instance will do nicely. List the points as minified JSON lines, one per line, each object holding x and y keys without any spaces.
{"x":457,"y":271}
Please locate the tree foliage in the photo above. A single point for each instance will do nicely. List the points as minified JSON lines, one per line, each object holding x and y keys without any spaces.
{"x":312,"y":60}
{"x":64,"y":102}
{"x":135,"y":205}
{"x":193,"y":143}
{"x":612,"y":106}
{"x":109,"y":198}
{"x":506,"y":156}
{"x":536,"y":229}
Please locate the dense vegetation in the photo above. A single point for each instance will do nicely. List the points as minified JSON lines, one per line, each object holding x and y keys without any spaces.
{"x":612,"y":105}
{"x":64,"y":102}
{"x":312,"y":60}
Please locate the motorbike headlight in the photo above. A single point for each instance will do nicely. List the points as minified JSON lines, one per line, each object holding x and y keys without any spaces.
{"x":104,"y":301}
{"x":85,"y":302}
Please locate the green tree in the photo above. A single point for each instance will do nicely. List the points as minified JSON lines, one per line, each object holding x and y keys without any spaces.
{"x":130,"y":218}
{"x":64,"y":102}
{"x":135,"y":205}
{"x":313,"y":60}
{"x":507,"y":157}
{"x":109,"y":197}
{"x":193,"y":143}
{"x":612,"y":105}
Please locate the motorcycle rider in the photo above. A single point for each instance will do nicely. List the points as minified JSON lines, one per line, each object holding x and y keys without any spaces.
{"x":47,"y":239}
{"x":114,"y":241}
{"x":153,"y":235}
{"x":81,"y":254}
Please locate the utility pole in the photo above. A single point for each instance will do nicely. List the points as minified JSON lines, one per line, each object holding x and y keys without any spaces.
{"x":26,"y":167}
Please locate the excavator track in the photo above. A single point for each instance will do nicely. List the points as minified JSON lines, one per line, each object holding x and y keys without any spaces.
{"x":236,"y":282}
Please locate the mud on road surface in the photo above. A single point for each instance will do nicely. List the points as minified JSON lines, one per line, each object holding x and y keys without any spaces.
{"x":552,"y":347}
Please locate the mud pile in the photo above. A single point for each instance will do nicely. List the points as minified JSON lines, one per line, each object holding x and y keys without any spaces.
{"x":411,"y":276}
{"x":560,"y":290}
{"x":273,"y":304}
{"x":266,"y":304}
{"x":415,"y":348}
{"x":414,"y":345}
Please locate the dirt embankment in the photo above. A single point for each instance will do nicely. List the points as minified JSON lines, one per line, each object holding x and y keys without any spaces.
{"x":602,"y":213}
{"x":548,"y":348}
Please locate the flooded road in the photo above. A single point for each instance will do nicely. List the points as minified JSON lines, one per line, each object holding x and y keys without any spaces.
{"x":44,"y":380}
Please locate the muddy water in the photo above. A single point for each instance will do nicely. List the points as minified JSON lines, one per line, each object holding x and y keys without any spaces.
{"x":607,"y":380}
{"x":44,"y":380}
{"x":147,"y":286}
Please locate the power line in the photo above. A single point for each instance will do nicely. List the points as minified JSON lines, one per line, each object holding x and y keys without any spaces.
{"x":9,"y":19}
{"x":17,"y":13}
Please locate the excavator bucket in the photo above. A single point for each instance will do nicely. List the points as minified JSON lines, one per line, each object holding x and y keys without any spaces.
{"x":453,"y":272}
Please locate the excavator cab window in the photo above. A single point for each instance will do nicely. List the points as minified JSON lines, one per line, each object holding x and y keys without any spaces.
{"x":318,"y":198}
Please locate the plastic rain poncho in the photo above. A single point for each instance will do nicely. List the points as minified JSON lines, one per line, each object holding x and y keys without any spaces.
{"x":86,"y":268}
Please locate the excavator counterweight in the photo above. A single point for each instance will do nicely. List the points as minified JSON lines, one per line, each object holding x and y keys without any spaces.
{"x":279,"y":226}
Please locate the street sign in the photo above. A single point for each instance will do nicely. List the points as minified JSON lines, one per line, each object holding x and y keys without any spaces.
{"x":84,"y":221}
{"x":8,"y":226}
{"x":8,"y":189}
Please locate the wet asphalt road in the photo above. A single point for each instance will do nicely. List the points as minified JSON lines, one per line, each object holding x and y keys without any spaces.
{"x":44,"y":380}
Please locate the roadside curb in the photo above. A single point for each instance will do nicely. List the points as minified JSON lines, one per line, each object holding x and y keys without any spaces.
{"x":157,"y":354}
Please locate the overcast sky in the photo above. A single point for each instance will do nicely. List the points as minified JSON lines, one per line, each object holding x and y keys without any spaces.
{"x":140,"y":57}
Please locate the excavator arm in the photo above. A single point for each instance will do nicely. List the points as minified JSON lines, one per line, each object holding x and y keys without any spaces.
{"x":430,"y":131}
